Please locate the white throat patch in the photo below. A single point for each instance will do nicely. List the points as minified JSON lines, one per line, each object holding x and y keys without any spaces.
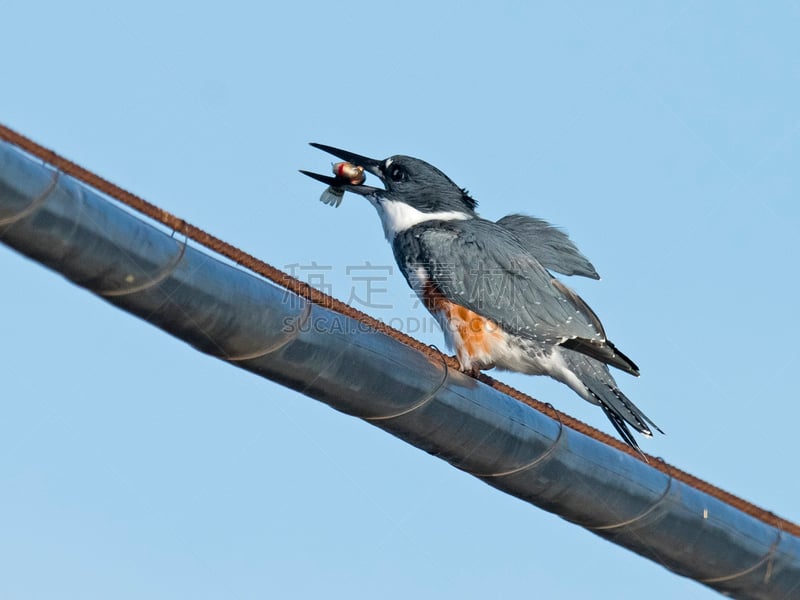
{"x":399,"y":216}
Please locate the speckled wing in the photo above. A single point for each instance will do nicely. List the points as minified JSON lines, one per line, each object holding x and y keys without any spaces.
{"x":480,"y":265}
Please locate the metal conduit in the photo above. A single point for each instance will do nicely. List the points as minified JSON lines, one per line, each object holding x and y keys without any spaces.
{"x":232,"y":315}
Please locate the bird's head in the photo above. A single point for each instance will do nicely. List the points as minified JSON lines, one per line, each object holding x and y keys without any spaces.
{"x":406,"y":180}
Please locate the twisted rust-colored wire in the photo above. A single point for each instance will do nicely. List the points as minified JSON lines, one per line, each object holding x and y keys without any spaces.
{"x":306,"y":291}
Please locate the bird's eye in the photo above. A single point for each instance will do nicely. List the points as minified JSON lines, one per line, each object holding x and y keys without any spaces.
{"x":397,"y":173}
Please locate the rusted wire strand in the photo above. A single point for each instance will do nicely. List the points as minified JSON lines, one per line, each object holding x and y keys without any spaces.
{"x":313,"y":295}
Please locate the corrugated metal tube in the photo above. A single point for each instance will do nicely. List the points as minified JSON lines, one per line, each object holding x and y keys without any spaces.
{"x":226,"y":312}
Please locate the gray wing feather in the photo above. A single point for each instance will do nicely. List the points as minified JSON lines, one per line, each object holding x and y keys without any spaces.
{"x":482,"y":266}
{"x":550,"y":245}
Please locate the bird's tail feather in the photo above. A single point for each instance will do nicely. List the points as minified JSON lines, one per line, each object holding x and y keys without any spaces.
{"x":602,"y":389}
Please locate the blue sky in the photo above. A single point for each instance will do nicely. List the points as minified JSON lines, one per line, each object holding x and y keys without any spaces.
{"x":663,"y":136}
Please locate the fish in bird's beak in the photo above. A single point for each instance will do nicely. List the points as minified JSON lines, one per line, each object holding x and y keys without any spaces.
{"x":348,"y":175}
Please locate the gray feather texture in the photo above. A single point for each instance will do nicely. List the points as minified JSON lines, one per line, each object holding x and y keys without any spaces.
{"x":550,"y":245}
{"x":480,"y":265}
{"x":603,"y":391}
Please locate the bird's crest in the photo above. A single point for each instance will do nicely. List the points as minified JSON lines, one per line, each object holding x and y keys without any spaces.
{"x":468,"y":200}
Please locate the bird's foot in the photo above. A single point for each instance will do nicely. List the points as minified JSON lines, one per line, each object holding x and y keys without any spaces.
{"x":473,"y":371}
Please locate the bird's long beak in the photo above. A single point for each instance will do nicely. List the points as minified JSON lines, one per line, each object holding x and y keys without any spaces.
{"x":370,"y":165}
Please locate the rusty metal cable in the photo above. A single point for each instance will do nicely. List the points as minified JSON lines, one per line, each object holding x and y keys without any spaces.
{"x":304,"y":290}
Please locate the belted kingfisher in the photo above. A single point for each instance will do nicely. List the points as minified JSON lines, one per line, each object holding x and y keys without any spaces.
{"x":489,"y":284}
